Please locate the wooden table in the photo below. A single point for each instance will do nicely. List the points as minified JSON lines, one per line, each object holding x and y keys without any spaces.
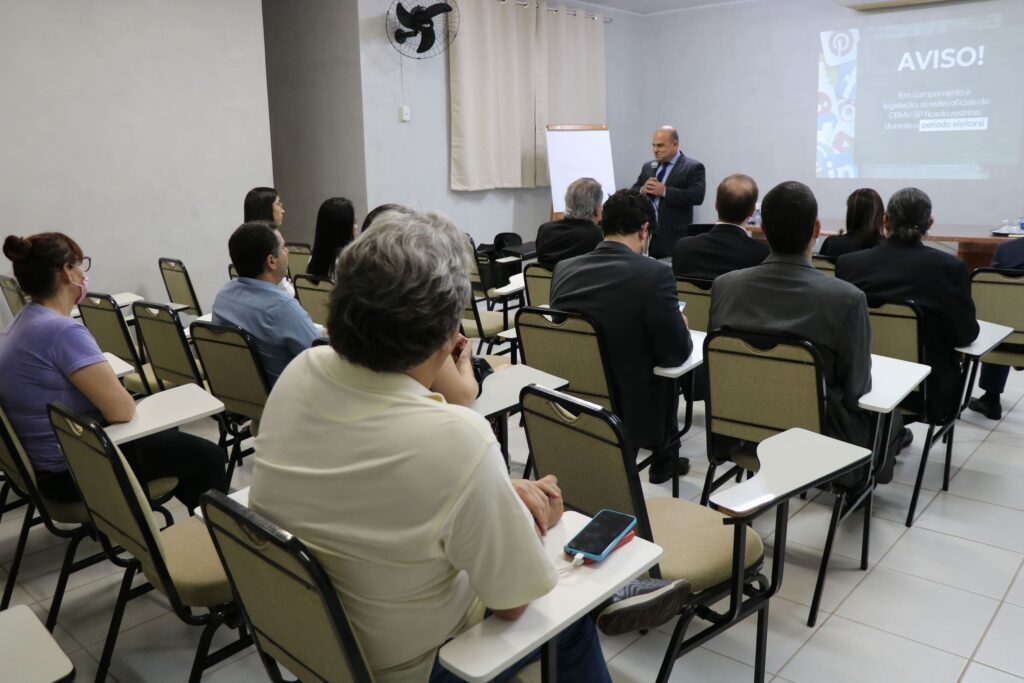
{"x":165,"y":410}
{"x":485,"y":650}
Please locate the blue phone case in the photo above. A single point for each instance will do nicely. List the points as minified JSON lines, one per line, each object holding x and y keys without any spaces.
{"x":570,"y":550}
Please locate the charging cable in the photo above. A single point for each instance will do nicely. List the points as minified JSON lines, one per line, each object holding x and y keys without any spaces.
{"x":577,"y":560}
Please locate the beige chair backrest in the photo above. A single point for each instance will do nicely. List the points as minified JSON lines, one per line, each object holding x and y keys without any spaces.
{"x":179,"y":285}
{"x":232,"y":271}
{"x":14,"y":460}
{"x":824,"y":265}
{"x":568,"y":346}
{"x":166,"y":347}
{"x":313,"y":294}
{"x":585,"y":452}
{"x":16,"y":298}
{"x":110,"y":492}
{"x":894,"y":331}
{"x":999,"y":298}
{"x":755,"y":393}
{"x":697,"y":298}
{"x":538,"y":284}
{"x":290,"y":605}
{"x":299,"y":254}
{"x":233,"y":368}
{"x":103,"y":317}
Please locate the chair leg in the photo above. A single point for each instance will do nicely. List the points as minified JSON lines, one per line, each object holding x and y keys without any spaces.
{"x":819,"y":586}
{"x":12,"y":573}
{"x":949,"y":458}
{"x":62,"y":581}
{"x":115,"y":623}
{"x":866,"y":537}
{"x":761,"y":648}
{"x":203,"y":649}
{"x":709,"y":480}
{"x":672,"y":653}
{"x":528,"y":470}
{"x":920,"y":475}
{"x":166,"y":514}
{"x":273,"y":670}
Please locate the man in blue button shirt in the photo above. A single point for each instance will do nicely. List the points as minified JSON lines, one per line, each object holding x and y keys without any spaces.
{"x":254,"y":302}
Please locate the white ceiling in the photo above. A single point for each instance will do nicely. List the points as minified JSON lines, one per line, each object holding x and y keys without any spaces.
{"x":652,"y":6}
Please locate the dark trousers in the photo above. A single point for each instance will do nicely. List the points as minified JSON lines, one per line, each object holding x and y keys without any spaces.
{"x":993,"y":377}
{"x":199,"y":465}
{"x":579,"y":658}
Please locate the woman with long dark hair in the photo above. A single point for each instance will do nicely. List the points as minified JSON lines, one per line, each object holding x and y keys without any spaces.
{"x":864,"y":213}
{"x":335,"y":229}
{"x":264,"y":204}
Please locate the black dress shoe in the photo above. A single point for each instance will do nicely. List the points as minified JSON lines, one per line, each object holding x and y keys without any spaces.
{"x":990,"y":408}
{"x":661,"y":471}
{"x":906,"y":438}
{"x":643,"y":604}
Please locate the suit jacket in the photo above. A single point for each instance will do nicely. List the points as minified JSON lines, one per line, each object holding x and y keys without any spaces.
{"x":684,"y":188}
{"x":835,"y":246}
{"x":1010,"y":255}
{"x":724,"y":248}
{"x":632,"y":301}
{"x":786,"y":295}
{"x":938,"y":282}
{"x":559,"y":240}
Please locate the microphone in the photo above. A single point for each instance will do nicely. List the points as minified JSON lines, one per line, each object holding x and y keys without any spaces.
{"x":654,"y":168}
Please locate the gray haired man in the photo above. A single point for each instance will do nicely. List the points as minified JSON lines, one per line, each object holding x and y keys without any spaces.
{"x":579,"y":231}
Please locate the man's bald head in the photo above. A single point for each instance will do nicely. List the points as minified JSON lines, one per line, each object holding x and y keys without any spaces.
{"x":736,"y":199}
{"x":665,"y":143}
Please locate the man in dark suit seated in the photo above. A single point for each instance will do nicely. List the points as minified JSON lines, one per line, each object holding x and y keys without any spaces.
{"x":632,"y":301}
{"x":675,"y":183}
{"x":727,"y":246}
{"x":579,"y":231}
{"x":902,"y":268}
{"x":787,"y":296}
{"x":1009,"y":256}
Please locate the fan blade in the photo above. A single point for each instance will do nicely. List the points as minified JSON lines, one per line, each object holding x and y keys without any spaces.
{"x":432,"y":11}
{"x":426,"y":40}
{"x":405,"y":18}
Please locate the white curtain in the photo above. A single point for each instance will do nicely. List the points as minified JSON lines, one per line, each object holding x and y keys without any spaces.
{"x":513,"y":70}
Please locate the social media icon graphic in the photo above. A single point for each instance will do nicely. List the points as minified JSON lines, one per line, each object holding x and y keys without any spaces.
{"x":827,"y":124}
{"x":842,"y":142}
{"x":846,"y":81}
{"x":847,"y":111}
{"x":824,"y":103}
{"x":839,"y":47}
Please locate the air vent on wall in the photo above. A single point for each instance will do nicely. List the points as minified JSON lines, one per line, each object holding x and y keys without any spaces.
{"x":864,"y":5}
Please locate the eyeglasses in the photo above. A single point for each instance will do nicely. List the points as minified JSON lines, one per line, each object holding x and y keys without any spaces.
{"x":85,"y":264}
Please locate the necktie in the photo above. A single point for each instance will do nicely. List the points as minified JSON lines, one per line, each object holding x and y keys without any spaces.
{"x":661,"y":172}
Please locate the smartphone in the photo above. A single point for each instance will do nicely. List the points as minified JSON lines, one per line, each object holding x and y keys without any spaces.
{"x":601,"y":535}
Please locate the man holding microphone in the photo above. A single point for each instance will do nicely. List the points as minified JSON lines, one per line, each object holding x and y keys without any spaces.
{"x":675,"y":184}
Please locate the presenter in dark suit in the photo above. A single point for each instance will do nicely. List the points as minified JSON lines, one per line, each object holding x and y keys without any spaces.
{"x":903,"y":268}
{"x":1009,"y":256}
{"x":786,"y":295}
{"x":632,"y":301}
{"x":579,"y":231}
{"x":675,"y":184}
{"x":727,"y":246}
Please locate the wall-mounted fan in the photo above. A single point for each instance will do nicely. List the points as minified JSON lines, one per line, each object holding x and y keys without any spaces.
{"x":422,"y":31}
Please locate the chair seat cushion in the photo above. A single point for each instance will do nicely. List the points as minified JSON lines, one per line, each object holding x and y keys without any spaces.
{"x":194,"y":565}
{"x":133,"y":383}
{"x":697,"y":545}
{"x":493,"y":322}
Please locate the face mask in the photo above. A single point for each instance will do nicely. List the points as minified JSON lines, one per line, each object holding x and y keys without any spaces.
{"x":83,"y":288}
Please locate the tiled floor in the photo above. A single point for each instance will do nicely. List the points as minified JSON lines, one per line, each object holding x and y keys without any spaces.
{"x":942,"y":602}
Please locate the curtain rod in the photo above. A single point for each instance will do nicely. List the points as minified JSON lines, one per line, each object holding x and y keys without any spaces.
{"x":555,"y":10}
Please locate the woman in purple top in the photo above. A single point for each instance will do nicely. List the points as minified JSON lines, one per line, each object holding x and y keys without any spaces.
{"x":46,"y":355}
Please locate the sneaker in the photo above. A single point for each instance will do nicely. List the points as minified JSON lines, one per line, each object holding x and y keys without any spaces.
{"x":661,"y":471}
{"x":989,"y":407}
{"x":906,"y":438}
{"x":643,"y":604}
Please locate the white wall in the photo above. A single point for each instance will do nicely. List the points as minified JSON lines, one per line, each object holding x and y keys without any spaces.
{"x":742,"y":93}
{"x":134,"y":127}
